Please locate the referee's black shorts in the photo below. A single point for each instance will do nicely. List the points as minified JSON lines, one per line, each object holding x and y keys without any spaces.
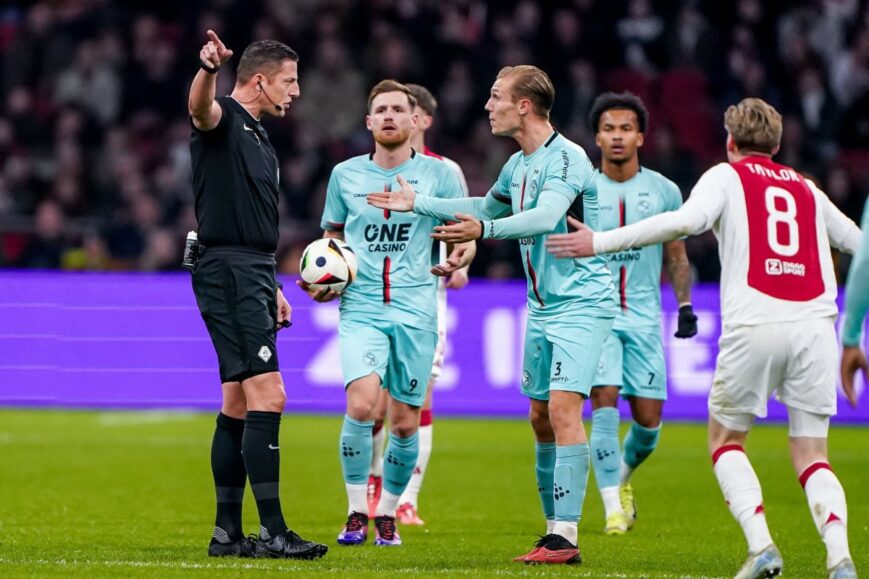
{"x":235,"y":291}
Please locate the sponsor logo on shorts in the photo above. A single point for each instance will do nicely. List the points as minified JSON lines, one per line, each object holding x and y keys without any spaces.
{"x":265,"y":354}
{"x":780,"y":267}
{"x":369,"y":359}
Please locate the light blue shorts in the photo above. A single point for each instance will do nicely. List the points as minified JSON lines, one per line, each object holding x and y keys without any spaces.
{"x":401,"y":355}
{"x":562,"y":354}
{"x":634,"y":361}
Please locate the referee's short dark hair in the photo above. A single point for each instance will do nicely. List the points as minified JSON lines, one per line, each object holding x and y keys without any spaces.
{"x":263,"y":57}
{"x":625,"y":101}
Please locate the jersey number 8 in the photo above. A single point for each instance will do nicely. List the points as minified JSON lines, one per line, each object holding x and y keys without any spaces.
{"x":791,"y":245}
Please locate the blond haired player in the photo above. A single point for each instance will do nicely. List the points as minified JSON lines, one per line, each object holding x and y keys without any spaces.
{"x":778,"y":311}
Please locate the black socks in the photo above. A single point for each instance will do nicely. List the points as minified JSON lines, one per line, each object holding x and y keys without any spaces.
{"x":262,"y":459}
{"x":227,"y":466}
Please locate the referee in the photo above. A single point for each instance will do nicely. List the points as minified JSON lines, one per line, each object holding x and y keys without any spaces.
{"x":235,"y":183}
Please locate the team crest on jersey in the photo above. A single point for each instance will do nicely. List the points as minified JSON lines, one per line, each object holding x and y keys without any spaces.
{"x":369,"y":359}
{"x":644,"y":207}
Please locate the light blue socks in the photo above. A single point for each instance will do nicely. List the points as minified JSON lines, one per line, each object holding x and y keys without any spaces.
{"x":355,"y":450}
{"x":570,"y":481}
{"x":639,"y":444}
{"x":545,"y":469}
{"x":399,"y":461}
{"x":606,"y":454}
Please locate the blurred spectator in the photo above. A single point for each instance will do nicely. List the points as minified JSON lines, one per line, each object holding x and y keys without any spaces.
{"x":94,"y":157}
{"x":47,"y":244}
{"x":91,"y":255}
{"x":641,"y":33}
{"x":91,"y":83}
{"x":333,"y":93}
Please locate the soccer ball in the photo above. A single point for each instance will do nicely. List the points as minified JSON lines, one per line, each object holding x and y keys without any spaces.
{"x":328,"y":263}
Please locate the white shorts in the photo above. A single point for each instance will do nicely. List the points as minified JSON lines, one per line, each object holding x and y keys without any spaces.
{"x":441,"y":349}
{"x":795,"y":360}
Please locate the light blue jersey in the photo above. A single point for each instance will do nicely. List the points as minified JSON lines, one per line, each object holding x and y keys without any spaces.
{"x":636,"y":271}
{"x":571,"y":302}
{"x":857,"y":289}
{"x":555,"y":285}
{"x":394,"y":282}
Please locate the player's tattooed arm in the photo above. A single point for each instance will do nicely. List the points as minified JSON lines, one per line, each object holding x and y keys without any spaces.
{"x":679,"y":272}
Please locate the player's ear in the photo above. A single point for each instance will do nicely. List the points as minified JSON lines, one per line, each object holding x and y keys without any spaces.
{"x":368,"y":122}
{"x":640,"y":139}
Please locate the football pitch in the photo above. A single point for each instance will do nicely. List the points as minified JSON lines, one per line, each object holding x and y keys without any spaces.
{"x":103,"y":494}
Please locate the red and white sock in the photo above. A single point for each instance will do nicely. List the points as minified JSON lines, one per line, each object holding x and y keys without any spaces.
{"x":411,"y":492}
{"x":742,"y":494}
{"x":829,"y":509}
{"x":378,"y":448}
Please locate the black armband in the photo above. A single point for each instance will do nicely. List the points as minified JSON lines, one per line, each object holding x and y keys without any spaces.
{"x":208,"y":69}
{"x":482,"y":229}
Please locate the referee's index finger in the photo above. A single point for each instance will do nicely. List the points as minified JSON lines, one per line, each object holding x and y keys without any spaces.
{"x":213,"y":37}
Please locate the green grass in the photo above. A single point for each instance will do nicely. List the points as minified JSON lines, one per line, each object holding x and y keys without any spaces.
{"x":86,"y":494}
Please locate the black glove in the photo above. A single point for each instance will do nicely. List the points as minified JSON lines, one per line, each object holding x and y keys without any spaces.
{"x":687,"y":322}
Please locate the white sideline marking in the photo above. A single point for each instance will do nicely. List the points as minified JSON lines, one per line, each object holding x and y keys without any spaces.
{"x":147,"y":417}
{"x":317,"y":566}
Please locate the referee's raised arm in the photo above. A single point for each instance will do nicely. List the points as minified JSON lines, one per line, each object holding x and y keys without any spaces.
{"x":200,"y":104}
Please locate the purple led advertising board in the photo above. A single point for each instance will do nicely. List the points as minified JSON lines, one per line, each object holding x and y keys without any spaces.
{"x":137,"y":341}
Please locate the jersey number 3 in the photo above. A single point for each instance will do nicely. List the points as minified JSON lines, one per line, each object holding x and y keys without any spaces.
{"x":783,"y":241}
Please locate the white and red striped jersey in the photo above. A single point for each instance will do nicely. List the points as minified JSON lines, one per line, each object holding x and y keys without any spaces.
{"x":774,"y":231}
{"x":442,"y":247}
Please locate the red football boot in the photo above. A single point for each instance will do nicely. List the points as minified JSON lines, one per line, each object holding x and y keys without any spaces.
{"x":554,"y":549}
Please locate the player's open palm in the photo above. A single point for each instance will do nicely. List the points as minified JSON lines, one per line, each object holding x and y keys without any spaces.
{"x":401,"y":200}
{"x":214,"y":53}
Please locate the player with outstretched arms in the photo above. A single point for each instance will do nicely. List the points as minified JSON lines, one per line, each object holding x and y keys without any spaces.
{"x":778,"y":312}
{"x":407,"y":513}
{"x":571,"y":304}
{"x":632,"y":363}
{"x":388,"y":316}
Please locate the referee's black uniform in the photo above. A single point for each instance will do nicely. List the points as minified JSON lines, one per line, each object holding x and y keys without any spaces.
{"x":235,"y":184}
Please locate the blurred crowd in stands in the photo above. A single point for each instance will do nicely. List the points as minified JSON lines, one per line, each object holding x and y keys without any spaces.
{"x":94,"y":160}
